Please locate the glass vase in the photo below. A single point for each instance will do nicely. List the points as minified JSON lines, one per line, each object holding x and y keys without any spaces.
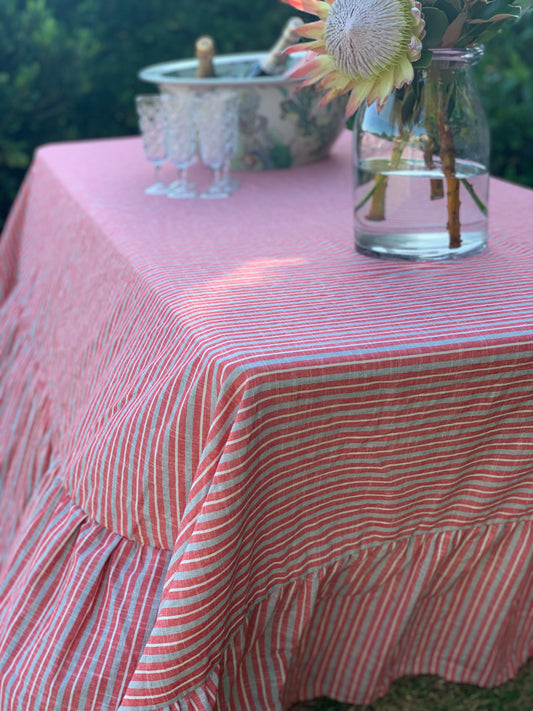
{"x":421,"y":177}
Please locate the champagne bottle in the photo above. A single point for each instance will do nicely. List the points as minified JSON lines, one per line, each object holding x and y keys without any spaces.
{"x":205,"y":51}
{"x":275,"y":61}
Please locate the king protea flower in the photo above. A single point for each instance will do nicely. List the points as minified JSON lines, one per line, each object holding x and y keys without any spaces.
{"x":365,"y":47}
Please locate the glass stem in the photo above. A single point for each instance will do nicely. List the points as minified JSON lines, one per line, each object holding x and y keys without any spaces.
{"x":182,"y":177}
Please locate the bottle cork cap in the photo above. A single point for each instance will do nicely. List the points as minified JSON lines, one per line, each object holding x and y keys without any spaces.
{"x":293,"y":23}
{"x":205,"y":46}
{"x":275,"y":61}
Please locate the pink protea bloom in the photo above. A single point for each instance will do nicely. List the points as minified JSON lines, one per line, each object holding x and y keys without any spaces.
{"x":362,"y":47}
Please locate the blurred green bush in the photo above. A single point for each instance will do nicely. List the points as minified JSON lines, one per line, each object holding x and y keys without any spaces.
{"x":505,"y":78}
{"x":68,"y":70}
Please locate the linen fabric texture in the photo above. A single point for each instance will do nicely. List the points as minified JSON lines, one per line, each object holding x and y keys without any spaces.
{"x":242,"y":466}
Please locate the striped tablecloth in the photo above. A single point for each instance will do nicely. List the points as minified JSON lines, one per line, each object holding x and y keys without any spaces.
{"x":240,"y":464}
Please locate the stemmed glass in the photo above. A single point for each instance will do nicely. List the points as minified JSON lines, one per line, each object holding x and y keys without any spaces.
{"x":180,"y":133}
{"x":151,"y":125}
{"x":217,"y":122}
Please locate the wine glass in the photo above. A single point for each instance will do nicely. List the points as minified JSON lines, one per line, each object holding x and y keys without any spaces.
{"x":217,"y":121}
{"x":180,"y":134}
{"x":151,"y":125}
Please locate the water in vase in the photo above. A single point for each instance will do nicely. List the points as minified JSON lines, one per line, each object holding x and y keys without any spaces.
{"x":403,"y":213}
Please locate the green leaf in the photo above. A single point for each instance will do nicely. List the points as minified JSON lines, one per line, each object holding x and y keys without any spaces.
{"x":436,"y":25}
{"x":408,"y":105}
{"x":451,"y":101}
{"x":496,"y":18}
{"x":488,"y":31}
{"x":458,"y":4}
{"x":448,"y":8}
{"x":425,"y":59}
{"x":454,"y":30}
{"x":494,"y":10}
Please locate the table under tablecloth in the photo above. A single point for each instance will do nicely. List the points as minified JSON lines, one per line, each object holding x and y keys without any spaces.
{"x":242,"y":465}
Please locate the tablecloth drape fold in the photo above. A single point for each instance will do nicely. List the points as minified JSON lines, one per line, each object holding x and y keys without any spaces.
{"x":241,"y":466}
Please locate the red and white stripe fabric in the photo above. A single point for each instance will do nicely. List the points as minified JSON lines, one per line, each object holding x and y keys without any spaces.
{"x":242,"y":465}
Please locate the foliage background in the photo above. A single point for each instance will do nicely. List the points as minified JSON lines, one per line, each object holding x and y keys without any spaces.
{"x":68,"y":71}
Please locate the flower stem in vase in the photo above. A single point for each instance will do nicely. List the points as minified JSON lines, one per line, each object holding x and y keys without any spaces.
{"x":436,"y":184}
{"x":376,"y":212}
{"x":447,"y":153}
{"x":447,"y":156}
{"x":436,"y":189}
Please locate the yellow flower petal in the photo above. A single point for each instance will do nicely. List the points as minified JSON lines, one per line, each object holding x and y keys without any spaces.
{"x":315,"y":45}
{"x":312,"y":68}
{"x":357,"y":96}
{"x":403,"y":73}
{"x":312,"y":30}
{"x":381,"y":90}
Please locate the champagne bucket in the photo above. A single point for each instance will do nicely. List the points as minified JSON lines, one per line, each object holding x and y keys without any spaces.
{"x":280,"y":124}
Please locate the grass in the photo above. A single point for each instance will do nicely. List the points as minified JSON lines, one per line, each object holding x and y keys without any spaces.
{"x":430,"y":693}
